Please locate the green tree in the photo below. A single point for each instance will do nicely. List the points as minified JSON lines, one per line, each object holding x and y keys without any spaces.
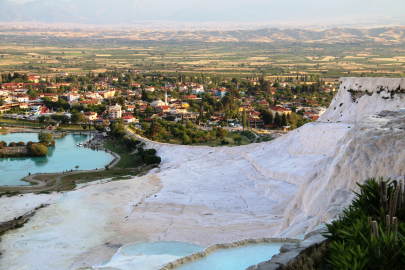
{"x":39,"y":150}
{"x":144,"y":95}
{"x":244,"y":119}
{"x":155,"y":129}
{"x":84,"y":127}
{"x":284,"y":120}
{"x":117,"y":128}
{"x":46,"y":138}
{"x":238,"y":139}
{"x":277,"y":120}
{"x":78,"y":118}
{"x":186,"y":139}
{"x":149,"y":109}
{"x":221,"y":133}
{"x":145,"y":126}
{"x":1,"y":102}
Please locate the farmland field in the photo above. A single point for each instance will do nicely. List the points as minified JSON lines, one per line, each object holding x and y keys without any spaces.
{"x":242,"y":59}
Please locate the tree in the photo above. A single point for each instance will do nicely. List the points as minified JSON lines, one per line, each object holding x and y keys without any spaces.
{"x":155,"y":129}
{"x":284,"y":120}
{"x":21,"y":143}
{"x":277,"y":120}
{"x":1,"y":102}
{"x":84,"y":127}
{"x":78,"y":118}
{"x":221,"y":133}
{"x":38,"y":150}
{"x":149,"y":109}
{"x":145,"y":126}
{"x":238,"y":139}
{"x":186,"y":139}
{"x":118,"y":128}
{"x":244,"y":119}
{"x":144,"y":95}
{"x":77,"y":167}
{"x":46,"y":138}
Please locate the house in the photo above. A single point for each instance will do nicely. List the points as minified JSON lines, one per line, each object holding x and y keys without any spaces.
{"x":163,"y":109}
{"x":279,"y":109}
{"x":221,"y":92}
{"x":190,"y":97}
{"x":72,"y":97}
{"x":157,"y":102}
{"x":199,"y":89}
{"x":264,"y":103}
{"x":22,"y":98}
{"x":115,"y":111}
{"x":53,"y":96}
{"x":149,"y":88}
{"x":129,"y":119}
{"x":90,"y":116}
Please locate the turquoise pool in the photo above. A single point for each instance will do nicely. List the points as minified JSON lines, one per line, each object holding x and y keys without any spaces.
{"x":64,"y":156}
{"x":148,"y":256}
{"x":238,"y":258}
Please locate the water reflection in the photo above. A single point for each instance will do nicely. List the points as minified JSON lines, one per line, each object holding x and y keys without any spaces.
{"x":64,"y":156}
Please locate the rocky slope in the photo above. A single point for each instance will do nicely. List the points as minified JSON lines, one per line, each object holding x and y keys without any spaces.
{"x":207,"y":195}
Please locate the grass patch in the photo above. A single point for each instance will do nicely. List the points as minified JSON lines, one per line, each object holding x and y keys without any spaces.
{"x":117,"y":174}
{"x":248,"y":134}
{"x":126,"y":161}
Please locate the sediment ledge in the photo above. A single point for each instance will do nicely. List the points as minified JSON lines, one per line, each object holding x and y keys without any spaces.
{"x":214,"y":247}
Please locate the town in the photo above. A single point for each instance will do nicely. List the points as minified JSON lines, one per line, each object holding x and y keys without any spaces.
{"x":203,"y":103}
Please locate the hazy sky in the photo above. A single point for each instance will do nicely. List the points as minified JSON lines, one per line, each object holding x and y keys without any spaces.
{"x":200,"y":11}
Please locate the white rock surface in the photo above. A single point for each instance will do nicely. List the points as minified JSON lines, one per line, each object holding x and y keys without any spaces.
{"x":207,"y":195}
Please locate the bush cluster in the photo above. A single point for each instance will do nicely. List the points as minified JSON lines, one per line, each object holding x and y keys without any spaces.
{"x":371,"y":233}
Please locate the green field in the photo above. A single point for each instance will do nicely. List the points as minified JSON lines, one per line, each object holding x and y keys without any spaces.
{"x":243,"y":59}
{"x":126,"y":160}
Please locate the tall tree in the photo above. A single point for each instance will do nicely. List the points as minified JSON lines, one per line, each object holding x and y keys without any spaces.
{"x":144,"y":95}
{"x":244,"y":119}
{"x":284,"y":120}
{"x":277,"y":120}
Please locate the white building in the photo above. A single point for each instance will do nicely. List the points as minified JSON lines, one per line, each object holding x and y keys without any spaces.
{"x":115,"y":111}
{"x":199,"y":89}
{"x":73,"y":97}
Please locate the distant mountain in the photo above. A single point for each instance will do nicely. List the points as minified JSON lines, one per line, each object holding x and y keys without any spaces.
{"x":129,"y":11}
{"x":383,"y":35}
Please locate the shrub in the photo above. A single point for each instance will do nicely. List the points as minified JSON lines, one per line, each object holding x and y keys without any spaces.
{"x":38,"y":149}
{"x":356,"y":242}
{"x":224,"y":142}
{"x":11,"y":144}
{"x":152,"y":160}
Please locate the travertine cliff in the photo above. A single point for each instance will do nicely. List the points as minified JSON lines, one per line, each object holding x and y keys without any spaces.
{"x":210,"y":195}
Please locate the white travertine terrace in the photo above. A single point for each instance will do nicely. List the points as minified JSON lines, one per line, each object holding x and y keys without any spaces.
{"x":209,"y":195}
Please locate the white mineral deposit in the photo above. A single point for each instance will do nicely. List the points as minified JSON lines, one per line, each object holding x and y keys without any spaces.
{"x":209,"y":195}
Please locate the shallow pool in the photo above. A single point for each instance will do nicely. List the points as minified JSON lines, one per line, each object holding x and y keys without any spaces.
{"x":238,"y":258}
{"x":148,"y":255}
{"x":64,"y":156}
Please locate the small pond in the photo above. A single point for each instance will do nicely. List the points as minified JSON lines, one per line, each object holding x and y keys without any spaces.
{"x":64,"y":156}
